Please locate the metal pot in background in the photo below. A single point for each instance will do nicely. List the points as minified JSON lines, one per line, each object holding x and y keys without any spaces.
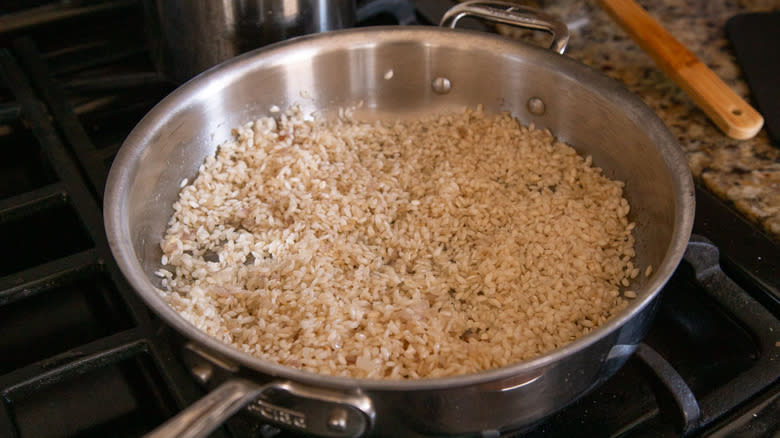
{"x":187,"y":37}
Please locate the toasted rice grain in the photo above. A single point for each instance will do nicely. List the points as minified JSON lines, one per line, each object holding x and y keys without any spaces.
{"x":397,"y":250}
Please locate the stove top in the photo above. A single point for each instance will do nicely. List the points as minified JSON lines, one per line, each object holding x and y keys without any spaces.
{"x":81,"y":356}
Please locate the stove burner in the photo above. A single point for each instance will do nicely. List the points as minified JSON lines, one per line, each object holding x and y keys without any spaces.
{"x":81,"y":356}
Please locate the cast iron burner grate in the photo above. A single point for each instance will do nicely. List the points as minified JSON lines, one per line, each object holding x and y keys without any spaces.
{"x":81,"y":356}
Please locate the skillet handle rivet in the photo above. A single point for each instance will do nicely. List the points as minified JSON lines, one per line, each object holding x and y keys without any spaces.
{"x":202,"y":372}
{"x":536,"y":106}
{"x":337,"y":420}
{"x":441,"y":85}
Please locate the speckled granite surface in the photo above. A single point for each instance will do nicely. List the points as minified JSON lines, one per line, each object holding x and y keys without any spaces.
{"x":745,"y":173}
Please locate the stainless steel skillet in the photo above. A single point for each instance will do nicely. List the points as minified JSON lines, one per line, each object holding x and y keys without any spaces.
{"x":434,"y":70}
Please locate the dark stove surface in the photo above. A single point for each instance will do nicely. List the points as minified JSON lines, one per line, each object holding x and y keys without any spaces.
{"x":81,"y":356}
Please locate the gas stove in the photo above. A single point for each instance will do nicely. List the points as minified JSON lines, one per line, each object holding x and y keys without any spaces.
{"x":81,"y":356}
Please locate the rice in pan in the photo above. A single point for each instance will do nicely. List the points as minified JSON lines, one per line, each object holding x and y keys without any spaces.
{"x":397,"y":250}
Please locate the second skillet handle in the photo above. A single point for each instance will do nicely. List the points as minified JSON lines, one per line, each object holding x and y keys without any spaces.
{"x":513,"y":15}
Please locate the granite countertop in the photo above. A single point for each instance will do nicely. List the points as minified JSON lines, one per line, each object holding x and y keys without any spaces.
{"x":745,"y":173}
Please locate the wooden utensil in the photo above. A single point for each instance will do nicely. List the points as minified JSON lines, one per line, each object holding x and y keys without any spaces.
{"x":735,"y":117}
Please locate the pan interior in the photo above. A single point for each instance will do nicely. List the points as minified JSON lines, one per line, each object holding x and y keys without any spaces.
{"x":391,"y":74}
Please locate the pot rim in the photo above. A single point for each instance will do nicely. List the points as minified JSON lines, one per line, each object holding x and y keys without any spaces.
{"x":220,"y":76}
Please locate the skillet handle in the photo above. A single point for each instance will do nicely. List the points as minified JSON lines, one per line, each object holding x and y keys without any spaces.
{"x":513,"y":15}
{"x":208,"y":413}
{"x":315,"y":411}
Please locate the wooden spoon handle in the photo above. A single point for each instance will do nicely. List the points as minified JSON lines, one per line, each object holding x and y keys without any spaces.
{"x":725,"y":108}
